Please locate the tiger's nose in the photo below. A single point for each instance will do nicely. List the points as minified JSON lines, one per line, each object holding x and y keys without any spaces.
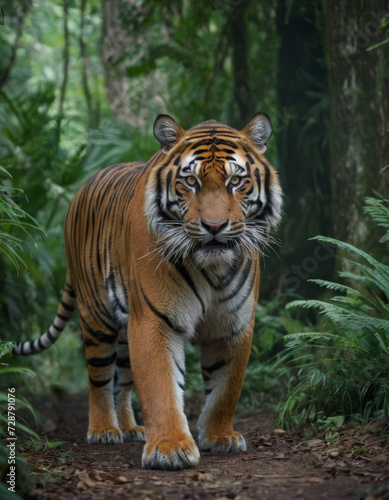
{"x":213,"y":226}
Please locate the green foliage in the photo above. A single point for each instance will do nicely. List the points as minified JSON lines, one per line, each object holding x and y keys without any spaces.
{"x":378,"y":209}
{"x":12,"y":426}
{"x":264,"y":383}
{"x":343,"y":368}
{"x":188,"y":59}
{"x":12,"y":217}
{"x":26,"y":153}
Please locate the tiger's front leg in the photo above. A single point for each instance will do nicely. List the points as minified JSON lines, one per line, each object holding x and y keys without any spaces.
{"x":158,"y":364}
{"x":223,"y":366}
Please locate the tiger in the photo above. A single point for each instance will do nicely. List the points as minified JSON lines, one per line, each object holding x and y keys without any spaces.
{"x":161,"y":253}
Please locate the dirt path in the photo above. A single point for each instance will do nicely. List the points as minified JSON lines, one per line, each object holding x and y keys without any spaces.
{"x":277,"y":465}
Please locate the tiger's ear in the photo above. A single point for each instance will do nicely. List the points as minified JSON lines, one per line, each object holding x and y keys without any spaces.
{"x":259,"y":130}
{"x":167,"y":131}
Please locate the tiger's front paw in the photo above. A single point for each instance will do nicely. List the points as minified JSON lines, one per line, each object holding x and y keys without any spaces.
{"x":133,"y":434}
{"x":223,"y":443}
{"x":104,"y":436}
{"x":171,"y":454}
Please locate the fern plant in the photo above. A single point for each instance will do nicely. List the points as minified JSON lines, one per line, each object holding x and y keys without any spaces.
{"x":12,"y":217}
{"x":343,"y":369}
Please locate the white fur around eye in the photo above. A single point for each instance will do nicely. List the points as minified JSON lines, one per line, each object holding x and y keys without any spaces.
{"x":234,"y":168}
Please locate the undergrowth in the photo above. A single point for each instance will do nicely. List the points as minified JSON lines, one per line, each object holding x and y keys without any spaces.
{"x":342,"y":368}
{"x":14,"y":432}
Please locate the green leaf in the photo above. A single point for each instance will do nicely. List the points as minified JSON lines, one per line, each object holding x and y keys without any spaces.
{"x":377,"y":45}
{"x":5,"y":348}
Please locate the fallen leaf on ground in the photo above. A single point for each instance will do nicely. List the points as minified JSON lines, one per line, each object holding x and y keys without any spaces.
{"x":314,"y":443}
{"x":280,"y":433}
{"x":84,"y":478}
{"x":121,"y":479}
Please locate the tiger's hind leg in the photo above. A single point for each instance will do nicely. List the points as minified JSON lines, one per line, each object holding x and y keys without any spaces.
{"x":100,"y":340}
{"x":124,"y":383}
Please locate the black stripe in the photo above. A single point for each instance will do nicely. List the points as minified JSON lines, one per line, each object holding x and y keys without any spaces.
{"x":258,"y":177}
{"x":88,"y":342}
{"x":98,"y":334}
{"x":103,"y":337}
{"x":123,"y":363}
{"x":247,"y":295}
{"x":124,"y":288}
{"x":101,"y":362}
{"x":67,"y":306}
{"x":159,"y":314}
{"x":208,"y":391}
{"x":215,"y":366}
{"x":181,"y":386}
{"x":179,"y":368}
{"x":124,"y":384}
{"x":102,"y":317}
{"x":64,"y":318}
{"x":241,"y":281}
{"x":250,"y":158}
{"x":168,"y":181}
{"x":40,"y":343}
{"x":237,"y":331}
{"x":268,"y":210}
{"x":32,"y":348}
{"x":184,"y":273}
{"x":50,"y":336}
{"x":112,"y":282}
{"x":99,"y":383}
{"x":159,"y":192}
{"x":59,"y":329}
{"x":201,"y":151}
{"x":225,"y":280}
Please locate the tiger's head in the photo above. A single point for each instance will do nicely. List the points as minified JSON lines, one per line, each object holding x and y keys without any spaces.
{"x":211,"y":194}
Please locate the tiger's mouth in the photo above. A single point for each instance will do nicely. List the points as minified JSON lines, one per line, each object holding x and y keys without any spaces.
{"x":214,"y":245}
{"x":214,"y":253}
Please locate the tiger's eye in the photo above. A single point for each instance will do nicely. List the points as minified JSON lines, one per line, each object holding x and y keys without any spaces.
{"x":235,"y":180}
{"x":191,"y":180}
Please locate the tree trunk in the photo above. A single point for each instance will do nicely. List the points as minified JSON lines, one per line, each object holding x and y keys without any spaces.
{"x":115,"y":42}
{"x":240,"y":54}
{"x":302,"y":143}
{"x":359,"y":101}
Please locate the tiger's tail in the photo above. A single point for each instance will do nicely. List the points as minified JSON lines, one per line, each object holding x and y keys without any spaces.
{"x":64,"y":312}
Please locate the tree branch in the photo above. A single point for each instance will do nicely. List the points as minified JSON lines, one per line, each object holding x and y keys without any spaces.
{"x":21,"y":14}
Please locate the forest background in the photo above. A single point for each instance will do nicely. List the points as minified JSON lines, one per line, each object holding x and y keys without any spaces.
{"x":81,"y":84}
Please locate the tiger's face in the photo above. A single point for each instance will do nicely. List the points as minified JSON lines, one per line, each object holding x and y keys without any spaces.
{"x":213,"y":196}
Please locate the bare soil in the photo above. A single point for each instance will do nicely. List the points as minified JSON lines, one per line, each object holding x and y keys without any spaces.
{"x":277,"y":464}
